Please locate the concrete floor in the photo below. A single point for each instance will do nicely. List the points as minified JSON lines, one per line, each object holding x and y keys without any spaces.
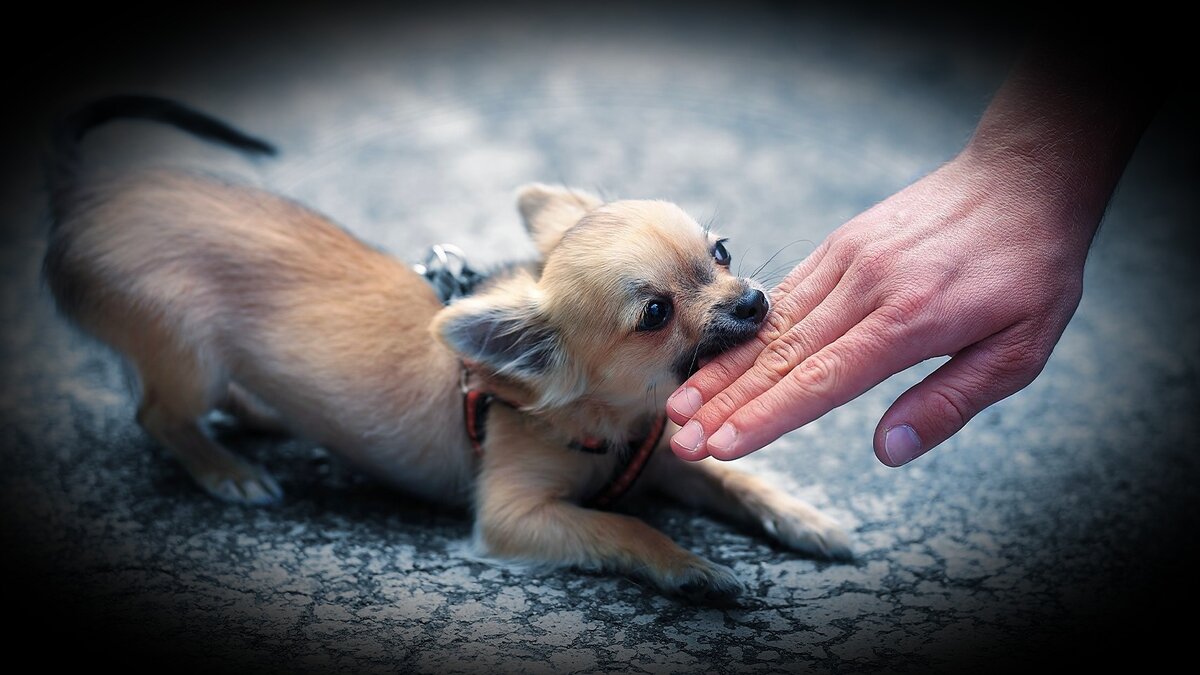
{"x":1053,"y":525}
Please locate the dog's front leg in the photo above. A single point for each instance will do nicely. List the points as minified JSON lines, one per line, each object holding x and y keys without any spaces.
{"x":749,"y":500}
{"x":523,"y":513}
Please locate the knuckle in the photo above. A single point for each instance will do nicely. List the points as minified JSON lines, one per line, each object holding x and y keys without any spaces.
{"x":776,"y":324}
{"x":874,"y":265}
{"x":779,"y":358}
{"x":720,"y":405}
{"x":850,"y":237}
{"x":713,"y":374}
{"x":1018,"y":362}
{"x":818,"y":374}
{"x":904,"y":309}
{"x":845,"y":250}
{"x":950,"y":406}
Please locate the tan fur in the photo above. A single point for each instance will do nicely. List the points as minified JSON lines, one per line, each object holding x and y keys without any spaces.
{"x":203,"y":284}
{"x":227,"y":297}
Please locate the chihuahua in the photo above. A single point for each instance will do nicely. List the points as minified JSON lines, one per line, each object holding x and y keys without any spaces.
{"x":224,"y":297}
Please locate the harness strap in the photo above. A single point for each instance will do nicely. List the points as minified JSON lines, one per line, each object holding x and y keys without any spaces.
{"x":475,"y":409}
{"x":633,"y":460}
{"x":633,"y":469}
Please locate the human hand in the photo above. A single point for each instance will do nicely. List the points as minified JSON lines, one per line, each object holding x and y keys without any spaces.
{"x":972,"y":261}
{"x":981,"y":261}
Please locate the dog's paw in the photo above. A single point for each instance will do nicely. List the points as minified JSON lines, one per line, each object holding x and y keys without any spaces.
{"x":803,"y":528}
{"x":703,"y":581}
{"x":250,"y":484}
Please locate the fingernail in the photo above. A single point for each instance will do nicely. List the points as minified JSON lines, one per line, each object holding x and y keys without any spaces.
{"x":723,"y":440}
{"x":901,"y":444}
{"x":689,"y":436}
{"x":685,"y":402}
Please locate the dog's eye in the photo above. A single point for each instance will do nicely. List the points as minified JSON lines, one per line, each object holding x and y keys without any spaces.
{"x":721,"y":254}
{"x":655,"y":315}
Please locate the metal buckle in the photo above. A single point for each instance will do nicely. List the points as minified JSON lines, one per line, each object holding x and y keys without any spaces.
{"x":445,"y":268}
{"x":442,"y":257}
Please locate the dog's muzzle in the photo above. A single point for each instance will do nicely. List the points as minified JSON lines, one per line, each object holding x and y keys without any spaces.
{"x":733,"y":323}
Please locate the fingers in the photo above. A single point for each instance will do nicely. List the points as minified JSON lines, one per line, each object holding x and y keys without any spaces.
{"x":801,"y":271}
{"x":806,"y":287}
{"x":828,"y":372}
{"x":939,"y":406}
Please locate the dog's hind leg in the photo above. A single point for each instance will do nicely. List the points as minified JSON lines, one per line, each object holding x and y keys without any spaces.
{"x":251,"y":413}
{"x":177,"y":389}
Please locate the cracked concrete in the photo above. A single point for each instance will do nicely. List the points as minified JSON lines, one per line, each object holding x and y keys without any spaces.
{"x":1052,"y":512}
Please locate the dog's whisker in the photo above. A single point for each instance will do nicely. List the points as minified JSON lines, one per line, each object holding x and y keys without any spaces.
{"x":777,"y":273}
{"x":709,"y":221}
{"x":695,"y":357}
{"x":776,"y":254}
{"x":781,"y":270}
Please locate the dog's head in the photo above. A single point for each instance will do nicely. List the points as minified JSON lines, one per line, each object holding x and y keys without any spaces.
{"x":631,"y":295}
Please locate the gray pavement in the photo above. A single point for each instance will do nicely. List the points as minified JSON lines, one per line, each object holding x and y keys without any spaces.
{"x":1050,"y":526}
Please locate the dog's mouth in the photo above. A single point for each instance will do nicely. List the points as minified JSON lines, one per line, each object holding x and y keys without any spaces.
{"x":732,"y":323}
{"x":713,"y":344}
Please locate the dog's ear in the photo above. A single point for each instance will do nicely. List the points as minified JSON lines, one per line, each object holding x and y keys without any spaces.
{"x":506,"y":332}
{"x":550,"y":211}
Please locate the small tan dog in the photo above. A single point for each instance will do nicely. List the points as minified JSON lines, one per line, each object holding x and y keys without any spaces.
{"x":226,"y":297}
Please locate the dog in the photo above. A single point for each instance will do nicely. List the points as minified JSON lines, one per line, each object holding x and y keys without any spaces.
{"x":536,"y":399}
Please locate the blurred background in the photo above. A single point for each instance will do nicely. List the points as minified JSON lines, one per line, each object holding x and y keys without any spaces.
{"x":1058,"y":523}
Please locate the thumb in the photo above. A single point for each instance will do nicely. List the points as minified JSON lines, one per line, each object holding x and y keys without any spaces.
{"x":942,"y":404}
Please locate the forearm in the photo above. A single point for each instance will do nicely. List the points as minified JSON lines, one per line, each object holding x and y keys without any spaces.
{"x":1062,"y":127}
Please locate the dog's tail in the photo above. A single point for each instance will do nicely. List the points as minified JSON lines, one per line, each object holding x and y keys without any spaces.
{"x":70,"y":130}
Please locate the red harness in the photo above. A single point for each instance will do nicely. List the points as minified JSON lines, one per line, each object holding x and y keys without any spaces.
{"x":633,"y":458}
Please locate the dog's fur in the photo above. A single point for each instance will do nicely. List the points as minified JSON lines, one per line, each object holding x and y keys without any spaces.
{"x":227,"y":297}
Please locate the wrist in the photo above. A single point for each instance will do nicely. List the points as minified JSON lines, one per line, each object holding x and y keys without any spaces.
{"x":1065,"y":189}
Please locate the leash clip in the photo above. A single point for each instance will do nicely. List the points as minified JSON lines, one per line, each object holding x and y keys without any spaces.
{"x":445,"y":268}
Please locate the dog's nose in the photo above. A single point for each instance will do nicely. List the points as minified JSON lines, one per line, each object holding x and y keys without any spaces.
{"x":752,"y":307}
